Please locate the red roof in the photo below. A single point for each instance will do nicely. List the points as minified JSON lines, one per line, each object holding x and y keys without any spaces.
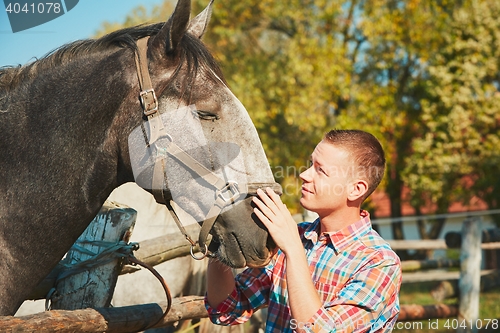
{"x":381,"y":203}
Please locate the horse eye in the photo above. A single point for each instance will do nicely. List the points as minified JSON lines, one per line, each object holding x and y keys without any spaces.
{"x":207,"y":115}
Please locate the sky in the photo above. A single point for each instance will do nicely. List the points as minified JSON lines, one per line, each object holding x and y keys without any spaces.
{"x":79,"y":23}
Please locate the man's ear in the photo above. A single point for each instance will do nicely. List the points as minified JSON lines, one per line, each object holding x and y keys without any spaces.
{"x":357,"y":189}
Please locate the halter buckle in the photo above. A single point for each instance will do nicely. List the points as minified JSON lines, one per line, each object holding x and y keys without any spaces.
{"x":232,"y":188}
{"x":149,"y":103}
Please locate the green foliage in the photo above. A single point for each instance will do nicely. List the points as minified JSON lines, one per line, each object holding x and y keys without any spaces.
{"x":455,"y":156}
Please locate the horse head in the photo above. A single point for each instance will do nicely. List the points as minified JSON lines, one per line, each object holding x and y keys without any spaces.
{"x":198,"y":137}
{"x":81,"y":121}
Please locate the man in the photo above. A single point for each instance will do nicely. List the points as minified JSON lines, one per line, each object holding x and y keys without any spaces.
{"x":335,"y":274}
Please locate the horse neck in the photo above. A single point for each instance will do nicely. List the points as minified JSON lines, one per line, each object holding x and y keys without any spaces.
{"x":59,"y":160}
{"x":69,"y":124}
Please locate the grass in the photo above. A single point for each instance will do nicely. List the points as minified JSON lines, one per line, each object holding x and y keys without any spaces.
{"x":419,"y":293}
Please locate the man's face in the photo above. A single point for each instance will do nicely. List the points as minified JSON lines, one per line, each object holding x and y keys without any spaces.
{"x":326,"y":182}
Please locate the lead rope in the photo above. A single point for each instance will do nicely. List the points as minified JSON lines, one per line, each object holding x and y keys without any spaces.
{"x":134,"y":261}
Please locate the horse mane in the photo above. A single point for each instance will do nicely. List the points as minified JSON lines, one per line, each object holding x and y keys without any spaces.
{"x":192,"y":50}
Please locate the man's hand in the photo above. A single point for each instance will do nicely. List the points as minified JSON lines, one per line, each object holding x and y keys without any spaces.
{"x":279,"y":222}
{"x":283,"y":229}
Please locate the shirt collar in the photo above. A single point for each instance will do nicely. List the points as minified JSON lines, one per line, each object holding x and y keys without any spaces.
{"x":340,"y":239}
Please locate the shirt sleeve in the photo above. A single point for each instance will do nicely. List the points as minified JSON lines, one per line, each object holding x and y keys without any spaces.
{"x":369,"y":302}
{"x":251,"y":293}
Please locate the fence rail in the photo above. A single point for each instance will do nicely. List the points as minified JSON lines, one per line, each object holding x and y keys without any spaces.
{"x":138,"y":317}
{"x":433,"y":244}
{"x":125,"y":319}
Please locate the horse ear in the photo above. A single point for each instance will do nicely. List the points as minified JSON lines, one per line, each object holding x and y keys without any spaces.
{"x":174,"y":29}
{"x":199,"y":24}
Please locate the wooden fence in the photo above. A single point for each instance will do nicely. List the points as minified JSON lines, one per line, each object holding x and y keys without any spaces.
{"x":465,"y":283}
{"x":138,"y":317}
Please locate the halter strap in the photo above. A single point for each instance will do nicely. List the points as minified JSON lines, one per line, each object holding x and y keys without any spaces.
{"x":221,"y":187}
{"x":149,"y":103}
{"x":147,"y":95}
{"x":226,"y":192}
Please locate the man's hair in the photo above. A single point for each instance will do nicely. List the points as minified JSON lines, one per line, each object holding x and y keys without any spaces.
{"x":366,"y":153}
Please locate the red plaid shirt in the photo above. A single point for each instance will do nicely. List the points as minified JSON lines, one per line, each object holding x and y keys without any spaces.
{"x":356,"y":275}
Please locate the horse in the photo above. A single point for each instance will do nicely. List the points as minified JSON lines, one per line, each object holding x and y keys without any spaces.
{"x":65,"y":126}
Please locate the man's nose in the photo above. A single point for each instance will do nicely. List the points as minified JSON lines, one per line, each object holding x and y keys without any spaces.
{"x":306,"y":175}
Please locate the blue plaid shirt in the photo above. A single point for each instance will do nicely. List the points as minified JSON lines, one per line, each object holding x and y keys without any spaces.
{"x":356,"y":275}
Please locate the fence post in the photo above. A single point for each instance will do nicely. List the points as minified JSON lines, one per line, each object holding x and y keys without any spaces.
{"x":470,"y":276}
{"x":92,"y":284}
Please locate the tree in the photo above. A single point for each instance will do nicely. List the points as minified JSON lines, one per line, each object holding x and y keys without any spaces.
{"x":457,"y":155}
{"x":400,"y":37}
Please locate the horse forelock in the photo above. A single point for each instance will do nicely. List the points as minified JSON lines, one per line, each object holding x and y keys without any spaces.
{"x":198,"y":56}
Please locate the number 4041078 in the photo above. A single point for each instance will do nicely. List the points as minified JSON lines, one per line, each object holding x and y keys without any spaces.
{"x":39,"y":8}
{"x":479,"y":323}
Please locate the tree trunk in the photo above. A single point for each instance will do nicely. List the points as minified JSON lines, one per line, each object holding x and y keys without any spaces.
{"x":394,"y":189}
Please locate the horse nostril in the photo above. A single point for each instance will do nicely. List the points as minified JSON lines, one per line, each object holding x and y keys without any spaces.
{"x":214,"y":246}
{"x":270,"y":244}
